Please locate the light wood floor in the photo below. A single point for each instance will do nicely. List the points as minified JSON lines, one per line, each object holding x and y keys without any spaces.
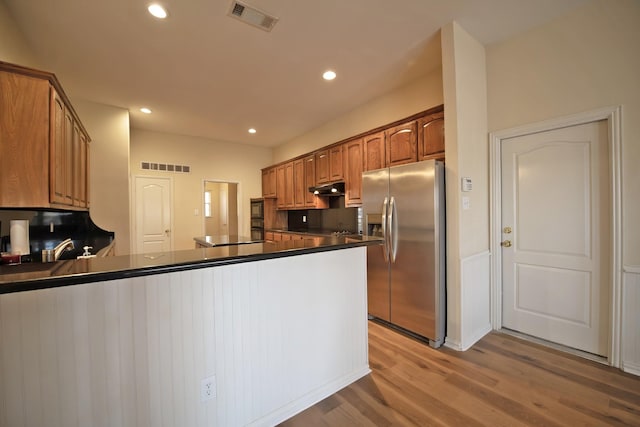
{"x":500,"y":381}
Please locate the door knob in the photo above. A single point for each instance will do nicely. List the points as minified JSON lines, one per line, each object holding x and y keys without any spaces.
{"x":167,"y":232}
{"x":506,"y":244}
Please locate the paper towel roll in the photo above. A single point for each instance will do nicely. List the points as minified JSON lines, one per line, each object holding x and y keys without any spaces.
{"x":19,"y":233}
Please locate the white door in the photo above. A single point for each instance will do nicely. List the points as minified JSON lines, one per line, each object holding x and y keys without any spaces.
{"x":153,"y":214}
{"x":555,"y":215}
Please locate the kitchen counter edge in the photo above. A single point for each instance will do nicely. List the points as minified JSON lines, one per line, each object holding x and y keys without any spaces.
{"x":82,"y":271}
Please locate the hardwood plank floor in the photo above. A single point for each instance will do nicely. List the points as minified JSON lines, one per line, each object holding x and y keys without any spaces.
{"x":501,"y":381}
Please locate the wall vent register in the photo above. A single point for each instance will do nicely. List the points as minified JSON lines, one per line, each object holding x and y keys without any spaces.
{"x":252,"y":16}
{"x":165,"y":167}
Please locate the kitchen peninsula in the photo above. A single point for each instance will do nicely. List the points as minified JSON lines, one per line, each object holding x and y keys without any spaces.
{"x":233,"y":335}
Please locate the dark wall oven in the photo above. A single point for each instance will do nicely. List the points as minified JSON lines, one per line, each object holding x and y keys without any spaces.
{"x":257,"y":219}
{"x":257,"y":208}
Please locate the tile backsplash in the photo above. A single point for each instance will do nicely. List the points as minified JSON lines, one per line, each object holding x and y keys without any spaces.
{"x":337,"y":219}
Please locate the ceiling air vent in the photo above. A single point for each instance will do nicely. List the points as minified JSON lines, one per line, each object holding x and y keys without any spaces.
{"x":252,"y":16}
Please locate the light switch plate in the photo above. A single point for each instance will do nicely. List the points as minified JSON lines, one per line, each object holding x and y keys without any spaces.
{"x":466,"y":203}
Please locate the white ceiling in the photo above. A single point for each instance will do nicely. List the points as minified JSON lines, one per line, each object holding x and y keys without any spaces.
{"x":206,"y":74}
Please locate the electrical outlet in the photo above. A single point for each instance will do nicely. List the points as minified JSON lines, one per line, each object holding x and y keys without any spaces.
{"x":208,"y":388}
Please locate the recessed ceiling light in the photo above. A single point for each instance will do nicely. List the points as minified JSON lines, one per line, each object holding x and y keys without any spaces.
{"x":252,"y":130}
{"x":329,"y":75}
{"x":145,"y":110}
{"x":157,"y":11}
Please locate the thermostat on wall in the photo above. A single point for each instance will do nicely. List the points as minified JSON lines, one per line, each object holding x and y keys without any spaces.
{"x":466,"y":184}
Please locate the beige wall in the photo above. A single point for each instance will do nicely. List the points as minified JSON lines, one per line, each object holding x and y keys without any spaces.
{"x":586,"y":60}
{"x":14,"y":47}
{"x":417,"y":96}
{"x":465,"y":100}
{"x":209,"y":160}
{"x":109,"y":186}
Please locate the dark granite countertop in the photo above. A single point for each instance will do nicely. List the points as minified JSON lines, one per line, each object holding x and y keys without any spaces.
{"x":223,"y":240}
{"x":33,"y":276}
{"x":312,"y":232}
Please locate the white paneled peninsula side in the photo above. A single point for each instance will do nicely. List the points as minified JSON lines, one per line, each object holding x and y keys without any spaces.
{"x":272,"y":327}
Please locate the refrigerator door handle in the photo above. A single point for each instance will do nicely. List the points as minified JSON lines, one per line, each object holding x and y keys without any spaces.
{"x":385,"y":246}
{"x":393,"y":229}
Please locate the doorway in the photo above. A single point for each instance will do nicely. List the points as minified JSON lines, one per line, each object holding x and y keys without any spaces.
{"x":220,"y":208}
{"x":555,"y":232}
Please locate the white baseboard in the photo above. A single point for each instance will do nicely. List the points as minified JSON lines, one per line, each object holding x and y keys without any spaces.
{"x":631,"y":368}
{"x":310,"y":399}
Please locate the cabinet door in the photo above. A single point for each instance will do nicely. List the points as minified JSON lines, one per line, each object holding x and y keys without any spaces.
{"x":374,"y":153}
{"x":402,"y":144}
{"x":289,"y":185}
{"x":69,"y":140}
{"x":309,"y":180}
{"x":431,"y":137}
{"x":24,"y":140}
{"x":281,"y":187}
{"x":87,"y":171}
{"x":265,"y":183}
{"x":299,"y":194}
{"x":79,"y":166}
{"x":353,"y":175}
{"x":336,"y":163}
{"x":272,"y":182}
{"x":57,"y":147}
{"x":269,"y":182}
{"x":322,"y":166}
{"x":75,"y":166}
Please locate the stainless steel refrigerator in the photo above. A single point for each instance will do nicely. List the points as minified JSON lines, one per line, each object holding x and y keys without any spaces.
{"x":406,"y":276}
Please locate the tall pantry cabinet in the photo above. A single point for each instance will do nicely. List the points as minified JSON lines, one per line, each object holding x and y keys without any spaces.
{"x":44,"y":146}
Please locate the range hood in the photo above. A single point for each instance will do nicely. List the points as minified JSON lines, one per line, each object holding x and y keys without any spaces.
{"x":333,"y":189}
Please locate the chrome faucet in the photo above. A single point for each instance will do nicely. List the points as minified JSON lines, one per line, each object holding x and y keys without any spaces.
{"x":50,"y":255}
{"x":65,"y":245}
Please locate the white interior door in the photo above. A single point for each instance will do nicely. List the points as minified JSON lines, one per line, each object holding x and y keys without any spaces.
{"x":153,"y":214}
{"x":556,"y":216}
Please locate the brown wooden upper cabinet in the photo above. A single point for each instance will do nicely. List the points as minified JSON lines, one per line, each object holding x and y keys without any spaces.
{"x":374,"y":153}
{"x":309,"y":180}
{"x":269,"y":182}
{"x":431,"y":137}
{"x":281,"y":187}
{"x":402,"y":144}
{"x":353,"y":151}
{"x":299,"y":194}
{"x":322,"y":166}
{"x":285,"y":187}
{"x":420,"y":137}
{"x":336,"y":163}
{"x":329,"y":165}
{"x":289,"y":189}
{"x":45,"y":148}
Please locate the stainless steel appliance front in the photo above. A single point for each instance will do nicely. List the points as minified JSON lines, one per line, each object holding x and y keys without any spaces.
{"x":406,"y":276}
